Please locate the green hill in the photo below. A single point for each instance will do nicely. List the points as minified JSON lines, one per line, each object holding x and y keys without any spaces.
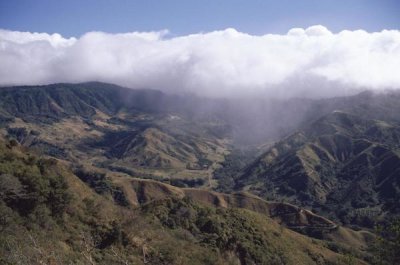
{"x":49,"y":216}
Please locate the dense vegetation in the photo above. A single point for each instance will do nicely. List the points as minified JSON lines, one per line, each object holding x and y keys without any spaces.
{"x":231,"y":167}
{"x":28,"y":184}
{"x":387,"y":244}
{"x":231,"y":230}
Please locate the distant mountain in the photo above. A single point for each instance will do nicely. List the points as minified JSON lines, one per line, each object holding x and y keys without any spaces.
{"x":138,"y":132}
{"x":119,"y":129}
{"x":344,"y":164}
{"x":58,"y":101}
{"x":146,"y":133}
{"x":154,"y":148}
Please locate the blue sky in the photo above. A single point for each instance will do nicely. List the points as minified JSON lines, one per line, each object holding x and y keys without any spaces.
{"x":317,"y":49}
{"x":75,"y":17}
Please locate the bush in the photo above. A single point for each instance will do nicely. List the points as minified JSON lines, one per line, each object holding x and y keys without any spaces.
{"x":102,"y":185}
{"x":27,"y":183}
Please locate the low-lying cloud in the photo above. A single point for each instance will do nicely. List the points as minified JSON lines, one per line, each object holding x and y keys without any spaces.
{"x":303,"y":62}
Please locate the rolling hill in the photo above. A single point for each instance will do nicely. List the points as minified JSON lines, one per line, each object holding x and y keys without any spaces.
{"x":49,"y":215}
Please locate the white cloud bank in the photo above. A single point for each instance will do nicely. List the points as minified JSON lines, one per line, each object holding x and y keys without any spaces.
{"x":304,"y":62}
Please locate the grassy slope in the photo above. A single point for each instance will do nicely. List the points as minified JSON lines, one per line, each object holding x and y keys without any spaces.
{"x":84,"y":227}
{"x":139,"y":192}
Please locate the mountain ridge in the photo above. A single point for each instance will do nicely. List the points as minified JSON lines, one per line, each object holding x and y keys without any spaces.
{"x":328,"y":164}
{"x":328,"y":154}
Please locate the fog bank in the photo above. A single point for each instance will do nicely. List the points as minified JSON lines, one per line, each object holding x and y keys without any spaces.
{"x":312,"y":62}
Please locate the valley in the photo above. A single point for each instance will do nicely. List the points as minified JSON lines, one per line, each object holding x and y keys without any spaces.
{"x":230,"y":181}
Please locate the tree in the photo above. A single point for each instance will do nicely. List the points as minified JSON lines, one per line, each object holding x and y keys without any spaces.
{"x":10,"y":187}
{"x":386,"y":249}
